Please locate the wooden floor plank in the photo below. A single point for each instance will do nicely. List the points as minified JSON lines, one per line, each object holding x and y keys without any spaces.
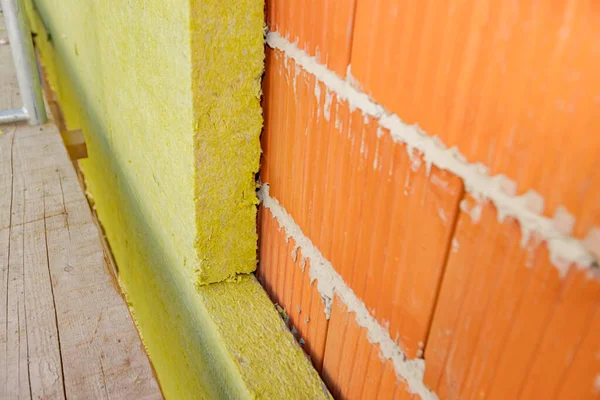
{"x":62,"y":312}
{"x":65,"y":331}
{"x":44,"y":358}
{"x":16,"y":375}
{"x":45,"y":370}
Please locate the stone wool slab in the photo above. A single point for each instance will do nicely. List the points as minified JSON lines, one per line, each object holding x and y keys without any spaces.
{"x":173,"y":90}
{"x":167,"y":95}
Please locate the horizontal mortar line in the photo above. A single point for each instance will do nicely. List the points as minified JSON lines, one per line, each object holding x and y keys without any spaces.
{"x":330,"y":282}
{"x":564,"y":249}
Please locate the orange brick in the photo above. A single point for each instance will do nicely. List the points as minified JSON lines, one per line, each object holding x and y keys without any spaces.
{"x":259,"y":222}
{"x":282,"y":253}
{"x":372,"y":210}
{"x":337,"y":333}
{"x":373,"y":374}
{"x":295,"y":301}
{"x":331,"y":162}
{"x":285,"y":141}
{"x":352,"y":367}
{"x":321,"y":28}
{"x":310,"y":149}
{"x":361,"y":362}
{"x":319,"y":176}
{"x":268,"y":106}
{"x":341,"y":186}
{"x":389,"y":383}
{"x":403,"y":393}
{"x":264,"y":260}
{"x":305,"y":305}
{"x":578,"y":303}
{"x":289,"y":286}
{"x":463,"y":72}
{"x":304,"y":101}
{"x":575,"y":383}
{"x":289,"y":273}
{"x":355,"y":204}
{"x":370,"y":193}
{"x":506,"y":325}
{"x":317,"y":331}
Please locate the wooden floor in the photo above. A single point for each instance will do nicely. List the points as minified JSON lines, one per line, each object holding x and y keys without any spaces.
{"x":65,"y":331}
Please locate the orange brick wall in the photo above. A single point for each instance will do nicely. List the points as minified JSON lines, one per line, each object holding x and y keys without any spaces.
{"x":514,"y":86}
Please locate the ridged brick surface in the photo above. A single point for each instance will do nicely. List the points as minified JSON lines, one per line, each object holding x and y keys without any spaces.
{"x":514,"y":87}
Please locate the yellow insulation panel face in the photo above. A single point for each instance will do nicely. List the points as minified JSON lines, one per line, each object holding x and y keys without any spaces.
{"x":167,"y":96}
{"x":174,"y":89}
{"x":126,"y":70}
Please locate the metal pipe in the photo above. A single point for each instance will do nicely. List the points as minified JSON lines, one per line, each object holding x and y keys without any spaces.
{"x":11,"y":116}
{"x":21,"y":46}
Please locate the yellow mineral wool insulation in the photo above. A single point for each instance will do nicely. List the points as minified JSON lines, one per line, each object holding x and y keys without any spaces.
{"x":227,"y":58}
{"x":127,"y":75}
{"x":174,"y":88}
{"x":223,"y":340}
{"x":125,"y":67}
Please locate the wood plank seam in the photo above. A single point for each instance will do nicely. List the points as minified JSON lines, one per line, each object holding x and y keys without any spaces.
{"x":62,"y":368}
{"x":8,"y":259}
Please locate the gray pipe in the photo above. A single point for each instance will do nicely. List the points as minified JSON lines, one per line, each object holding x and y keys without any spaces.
{"x":28,"y":76}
